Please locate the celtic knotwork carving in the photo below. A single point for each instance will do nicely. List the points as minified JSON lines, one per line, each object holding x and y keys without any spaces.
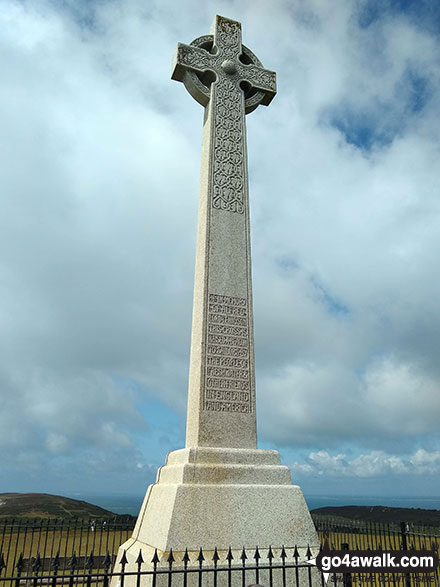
{"x":261,"y":77}
{"x":196,"y":59}
{"x":228,"y":167}
{"x":229,"y":37}
{"x":220,"y":70}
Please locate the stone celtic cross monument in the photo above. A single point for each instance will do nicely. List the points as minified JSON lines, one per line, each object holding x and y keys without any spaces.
{"x":221,"y":491}
{"x":229,"y":81}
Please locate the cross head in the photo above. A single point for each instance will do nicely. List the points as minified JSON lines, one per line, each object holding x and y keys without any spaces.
{"x":220,"y":59}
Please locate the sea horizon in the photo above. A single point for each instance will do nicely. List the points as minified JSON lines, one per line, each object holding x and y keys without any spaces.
{"x":131,"y":504}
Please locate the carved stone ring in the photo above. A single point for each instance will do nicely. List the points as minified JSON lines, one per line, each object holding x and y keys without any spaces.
{"x":199,"y":85}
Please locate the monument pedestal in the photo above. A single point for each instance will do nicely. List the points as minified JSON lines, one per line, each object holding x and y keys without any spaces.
{"x":244,"y":498}
{"x":223,"y":498}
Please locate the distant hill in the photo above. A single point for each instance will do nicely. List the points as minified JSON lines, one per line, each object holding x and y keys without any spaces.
{"x":43,"y":505}
{"x":382,"y":514}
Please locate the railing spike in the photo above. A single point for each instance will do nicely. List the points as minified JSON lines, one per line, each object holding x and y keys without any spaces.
{"x":155,"y":558}
{"x":36,"y":565}
{"x":215,"y":556}
{"x":139,"y":559}
{"x":283,"y":554}
{"x":257,"y":555}
{"x":56,"y":562}
{"x":185,"y":559}
{"x":243,"y":555}
{"x":200,"y":558}
{"x":20,"y":563}
{"x":270,"y":554}
{"x":106,"y":563}
{"x":90,"y":562}
{"x":229,"y":556}
{"x":124,"y":559}
{"x":308,"y":553}
{"x":73,"y":563}
{"x":296,"y":554}
{"x":170,"y":558}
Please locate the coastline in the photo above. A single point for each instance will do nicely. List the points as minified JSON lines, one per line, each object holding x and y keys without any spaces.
{"x":130,"y":504}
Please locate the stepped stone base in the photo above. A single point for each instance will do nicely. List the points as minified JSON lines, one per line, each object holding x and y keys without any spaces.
{"x":212,"y":497}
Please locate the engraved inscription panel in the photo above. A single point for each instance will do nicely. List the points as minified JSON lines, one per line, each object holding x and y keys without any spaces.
{"x":227,"y":371}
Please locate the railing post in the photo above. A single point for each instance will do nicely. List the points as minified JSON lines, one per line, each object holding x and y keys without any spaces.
{"x":54,"y":566}
{"x":200,"y":559}
{"x":270,"y":556}
{"x":36,"y":566}
{"x":243,"y":566}
{"x":185,"y":561}
{"x":89,"y":565}
{"x":19,"y":567}
{"x":123,"y":563}
{"x":73,"y":563}
{"x":296,"y":557}
{"x":154,"y":560}
{"x":346,"y":578}
{"x":215,"y":558}
{"x":139,"y":562}
{"x":309,"y":567}
{"x":283,"y":557}
{"x":107,"y":562}
{"x":257,"y":562}
{"x":170,"y":561}
{"x":404,"y":536}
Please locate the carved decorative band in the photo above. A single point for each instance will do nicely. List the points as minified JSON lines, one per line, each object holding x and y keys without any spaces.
{"x":229,"y":157}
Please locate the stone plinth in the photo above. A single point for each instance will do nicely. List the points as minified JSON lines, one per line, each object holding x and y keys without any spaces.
{"x":212,"y":497}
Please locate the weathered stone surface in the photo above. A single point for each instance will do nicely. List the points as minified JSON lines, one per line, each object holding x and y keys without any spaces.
{"x":226,"y":498}
{"x":239,"y":496}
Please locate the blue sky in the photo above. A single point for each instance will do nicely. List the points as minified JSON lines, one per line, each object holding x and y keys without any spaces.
{"x":99,"y":185}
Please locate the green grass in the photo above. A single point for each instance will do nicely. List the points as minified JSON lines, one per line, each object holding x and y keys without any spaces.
{"x":52,"y":541}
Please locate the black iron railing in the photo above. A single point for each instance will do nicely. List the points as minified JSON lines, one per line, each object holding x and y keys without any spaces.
{"x":51,"y":552}
{"x":23,"y":540}
{"x":271,"y":567}
{"x":373,"y":535}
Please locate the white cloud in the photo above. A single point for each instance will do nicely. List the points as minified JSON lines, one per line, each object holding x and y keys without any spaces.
{"x":56,"y":443}
{"x":373,"y":464}
{"x":99,"y":182}
{"x":321,"y":404}
{"x":426,"y":462}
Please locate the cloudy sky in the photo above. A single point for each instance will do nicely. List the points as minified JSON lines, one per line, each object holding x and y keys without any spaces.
{"x":100,"y":155}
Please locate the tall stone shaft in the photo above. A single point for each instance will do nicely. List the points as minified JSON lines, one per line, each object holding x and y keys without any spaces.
{"x":228,"y":79}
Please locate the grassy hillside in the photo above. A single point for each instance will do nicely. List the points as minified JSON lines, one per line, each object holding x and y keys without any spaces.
{"x":43,"y":505}
{"x":381,"y":514}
